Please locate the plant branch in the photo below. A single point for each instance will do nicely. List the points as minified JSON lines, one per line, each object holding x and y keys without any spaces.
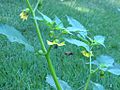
{"x":88,"y":80}
{"x":89,"y":77}
{"x":90,"y":61}
{"x":37,"y":28}
{"x":44,"y":48}
{"x":49,"y":49}
{"x":36,"y":6}
{"x":90,"y":64}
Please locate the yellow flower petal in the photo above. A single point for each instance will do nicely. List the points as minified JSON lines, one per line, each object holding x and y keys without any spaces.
{"x":87,"y":54}
{"x":55,"y":43}
{"x":50,"y":43}
{"x":24,"y":15}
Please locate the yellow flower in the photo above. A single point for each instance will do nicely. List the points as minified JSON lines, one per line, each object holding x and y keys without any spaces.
{"x":50,"y":43}
{"x":87,"y":54}
{"x":24,"y":15}
{"x":55,"y":43}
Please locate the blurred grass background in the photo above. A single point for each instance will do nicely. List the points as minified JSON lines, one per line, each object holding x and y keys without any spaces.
{"x":22,"y":70}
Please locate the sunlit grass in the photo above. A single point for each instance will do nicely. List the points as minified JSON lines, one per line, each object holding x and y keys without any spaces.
{"x":72,"y":4}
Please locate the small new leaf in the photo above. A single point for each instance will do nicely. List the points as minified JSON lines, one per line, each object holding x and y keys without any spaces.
{"x":41,"y":52}
{"x":99,"y":40}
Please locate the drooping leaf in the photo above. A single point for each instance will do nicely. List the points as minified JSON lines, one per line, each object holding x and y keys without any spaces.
{"x":14,"y":36}
{"x":78,"y":43}
{"x":59,"y":22}
{"x":46,"y":18}
{"x":99,"y":39}
{"x":76,"y":24}
{"x":97,"y":86}
{"x":63,"y":84}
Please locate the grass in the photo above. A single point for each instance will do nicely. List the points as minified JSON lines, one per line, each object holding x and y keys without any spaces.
{"x":22,"y":70}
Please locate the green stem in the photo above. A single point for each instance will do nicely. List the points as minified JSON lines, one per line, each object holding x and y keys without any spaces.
{"x":89,"y":77}
{"x":90,"y":60}
{"x":88,"y":80}
{"x":36,"y":6}
{"x":90,"y":64}
{"x":37,"y":28}
{"x":53,"y":72}
{"x":49,"y":49}
{"x":44,"y":48}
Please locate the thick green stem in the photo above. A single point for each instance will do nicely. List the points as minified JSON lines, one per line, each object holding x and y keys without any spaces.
{"x":53,"y":72}
{"x":44,"y":48}
{"x":37,"y":28}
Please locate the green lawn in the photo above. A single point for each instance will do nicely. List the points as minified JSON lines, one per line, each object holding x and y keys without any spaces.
{"x":22,"y":70}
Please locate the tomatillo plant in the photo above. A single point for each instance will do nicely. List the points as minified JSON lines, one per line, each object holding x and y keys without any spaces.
{"x":104,"y":63}
{"x":58,"y":34}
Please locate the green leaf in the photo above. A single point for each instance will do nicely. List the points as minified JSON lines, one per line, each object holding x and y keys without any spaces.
{"x":14,"y":36}
{"x":74,"y":29}
{"x":97,"y":86}
{"x":106,"y":63}
{"x":46,"y":18}
{"x":38,"y":18}
{"x":63,"y":84}
{"x":104,"y":60}
{"x":99,"y":39}
{"x":78,"y":43}
{"x":76,"y":24}
{"x":66,"y":32}
{"x":114,"y":69}
{"x":59,"y":22}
